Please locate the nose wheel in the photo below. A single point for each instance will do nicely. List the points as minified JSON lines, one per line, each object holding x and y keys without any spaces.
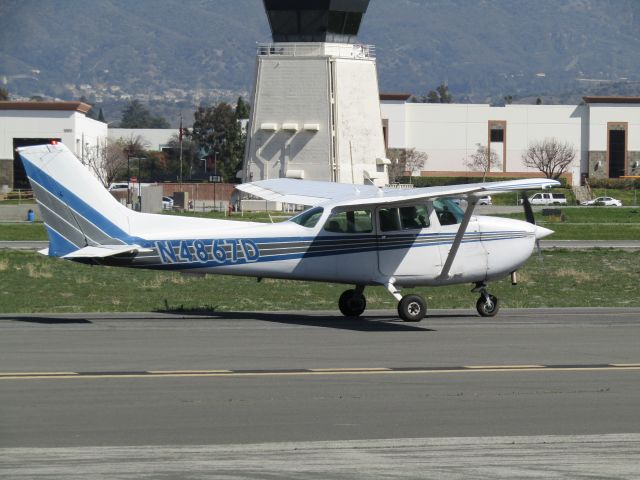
{"x":412,"y":308}
{"x":487,"y":305}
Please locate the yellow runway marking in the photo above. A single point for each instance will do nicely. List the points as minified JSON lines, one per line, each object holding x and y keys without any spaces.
{"x":359,"y":369}
{"x":190,"y":372}
{"x":31,"y":374}
{"x":511,"y":367}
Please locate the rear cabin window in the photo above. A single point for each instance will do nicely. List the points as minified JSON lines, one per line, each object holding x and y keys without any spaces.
{"x":414,"y":217}
{"x":351,"y":221}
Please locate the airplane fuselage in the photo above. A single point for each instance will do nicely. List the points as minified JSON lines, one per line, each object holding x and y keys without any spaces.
{"x":491,"y":248}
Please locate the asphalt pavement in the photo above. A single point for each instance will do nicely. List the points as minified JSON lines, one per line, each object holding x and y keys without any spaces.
{"x":551,"y":393}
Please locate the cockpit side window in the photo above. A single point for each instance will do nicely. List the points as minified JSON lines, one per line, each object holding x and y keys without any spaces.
{"x":351,"y":221}
{"x":308,"y":218}
{"x":448,"y":212}
{"x":414,"y":217}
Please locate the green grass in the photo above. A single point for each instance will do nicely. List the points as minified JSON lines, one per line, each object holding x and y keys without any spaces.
{"x":591,"y":223}
{"x":628,"y":197}
{"x":34,"y":283}
{"x":22,"y":231}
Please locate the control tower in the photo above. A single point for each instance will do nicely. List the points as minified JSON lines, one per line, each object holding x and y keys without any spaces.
{"x":316,"y":107}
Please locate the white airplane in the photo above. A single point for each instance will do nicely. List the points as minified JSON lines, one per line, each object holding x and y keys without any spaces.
{"x":353,"y":234}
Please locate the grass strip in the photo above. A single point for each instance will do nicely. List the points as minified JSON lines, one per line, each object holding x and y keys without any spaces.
{"x":31,"y":283}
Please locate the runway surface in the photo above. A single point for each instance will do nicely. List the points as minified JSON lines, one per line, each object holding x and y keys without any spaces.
{"x":547,"y":392}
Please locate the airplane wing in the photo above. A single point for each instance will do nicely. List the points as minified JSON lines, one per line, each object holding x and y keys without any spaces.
{"x":306,"y":192}
{"x":313,"y":193}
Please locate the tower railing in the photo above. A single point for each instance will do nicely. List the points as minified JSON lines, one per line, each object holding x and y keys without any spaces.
{"x":342,"y":50}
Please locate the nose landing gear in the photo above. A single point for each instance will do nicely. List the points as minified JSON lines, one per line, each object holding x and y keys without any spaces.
{"x":487,"y":305}
{"x":412,"y":308}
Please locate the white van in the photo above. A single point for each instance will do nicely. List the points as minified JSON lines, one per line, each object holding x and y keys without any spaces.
{"x":548,"y":199}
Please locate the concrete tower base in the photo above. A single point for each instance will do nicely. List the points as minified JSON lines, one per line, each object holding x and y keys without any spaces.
{"x":316,"y":115}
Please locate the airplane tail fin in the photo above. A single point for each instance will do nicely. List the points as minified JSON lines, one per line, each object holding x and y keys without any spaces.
{"x":77,"y":210}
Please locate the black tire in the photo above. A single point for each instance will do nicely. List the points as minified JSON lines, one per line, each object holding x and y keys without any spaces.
{"x":484,"y":310}
{"x":412,"y":308}
{"x":352,"y":304}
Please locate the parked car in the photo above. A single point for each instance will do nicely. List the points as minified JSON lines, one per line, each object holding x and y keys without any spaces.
{"x":167,"y":203}
{"x":605,"y":201}
{"x":461,"y":202}
{"x":548,"y":199}
{"x":118,"y":186}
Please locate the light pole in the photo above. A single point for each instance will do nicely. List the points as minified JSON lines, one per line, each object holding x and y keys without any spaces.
{"x":139,"y":187}
{"x":215,"y":178}
{"x":128,"y":177}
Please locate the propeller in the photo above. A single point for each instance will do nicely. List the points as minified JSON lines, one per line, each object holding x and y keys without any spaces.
{"x":528,"y":211}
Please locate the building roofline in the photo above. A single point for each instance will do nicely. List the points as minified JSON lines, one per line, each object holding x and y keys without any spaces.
{"x":395,"y":96}
{"x":59,"y":106}
{"x":610,"y":99}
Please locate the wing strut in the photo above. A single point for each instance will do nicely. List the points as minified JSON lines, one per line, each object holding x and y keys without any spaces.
{"x":471,"y":205}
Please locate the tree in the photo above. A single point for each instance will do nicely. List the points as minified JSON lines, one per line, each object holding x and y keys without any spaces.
{"x":4,"y":94}
{"x":190,"y":157}
{"x":439,"y":95}
{"x":550,"y":156}
{"x":433,"y":97}
{"x":443,"y":93}
{"x":482,"y":160}
{"x":405,"y":160}
{"x":414,"y":161}
{"x":136,"y":115}
{"x":242,"y":109}
{"x":217,"y":131}
{"x":107,"y":162}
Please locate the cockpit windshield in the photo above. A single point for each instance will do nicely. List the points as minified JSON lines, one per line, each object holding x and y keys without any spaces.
{"x":448,"y":212}
{"x":308,"y":218}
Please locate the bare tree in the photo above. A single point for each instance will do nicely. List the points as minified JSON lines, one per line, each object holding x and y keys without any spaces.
{"x":550,"y":156}
{"x":482,"y":160}
{"x":405,"y":160}
{"x":107,"y":162}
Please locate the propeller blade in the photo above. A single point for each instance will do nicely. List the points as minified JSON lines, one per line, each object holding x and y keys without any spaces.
{"x":528,"y":211}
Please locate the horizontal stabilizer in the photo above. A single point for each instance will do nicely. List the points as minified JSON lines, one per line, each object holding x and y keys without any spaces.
{"x":104,"y":251}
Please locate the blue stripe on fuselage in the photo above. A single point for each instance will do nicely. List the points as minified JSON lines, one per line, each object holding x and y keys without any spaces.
{"x":75,"y":203}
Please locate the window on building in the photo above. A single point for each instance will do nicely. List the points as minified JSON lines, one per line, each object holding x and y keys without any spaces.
{"x":497,"y":133}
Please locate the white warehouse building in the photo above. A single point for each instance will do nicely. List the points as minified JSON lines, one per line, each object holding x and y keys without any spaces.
{"x":31,"y":123}
{"x":604,"y":131}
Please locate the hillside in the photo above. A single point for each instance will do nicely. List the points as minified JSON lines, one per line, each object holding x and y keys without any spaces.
{"x":178,"y":53}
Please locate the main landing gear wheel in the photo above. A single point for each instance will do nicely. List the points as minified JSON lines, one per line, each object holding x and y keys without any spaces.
{"x":487,"y":306}
{"x":352,"y":303}
{"x":412,"y":308}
